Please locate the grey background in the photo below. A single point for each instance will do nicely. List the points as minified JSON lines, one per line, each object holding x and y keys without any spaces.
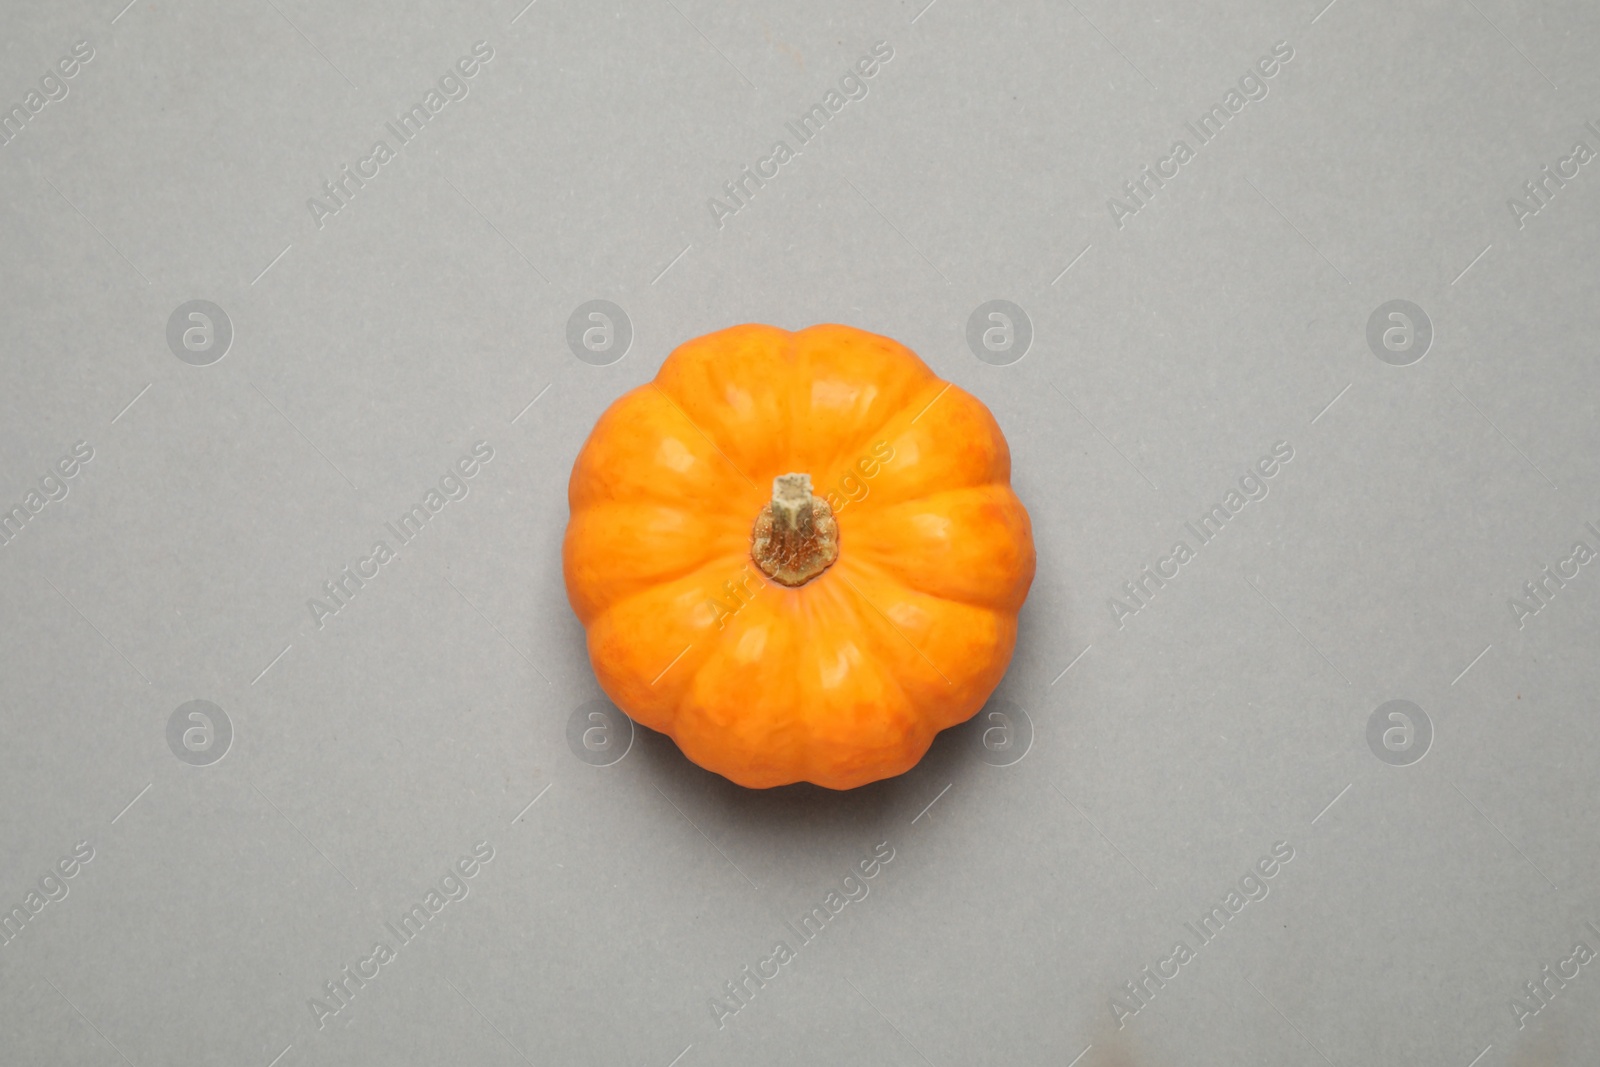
{"x":1167,"y":755}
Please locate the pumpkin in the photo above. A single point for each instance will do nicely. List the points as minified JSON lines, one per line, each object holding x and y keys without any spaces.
{"x":798,"y":554}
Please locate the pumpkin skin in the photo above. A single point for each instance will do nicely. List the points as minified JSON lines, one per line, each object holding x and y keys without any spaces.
{"x":842,"y":680}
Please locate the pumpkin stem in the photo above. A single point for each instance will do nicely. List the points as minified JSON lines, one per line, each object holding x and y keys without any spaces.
{"x":796,"y":537}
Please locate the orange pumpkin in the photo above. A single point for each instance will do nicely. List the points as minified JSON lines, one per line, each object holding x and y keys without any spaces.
{"x":798,"y":554}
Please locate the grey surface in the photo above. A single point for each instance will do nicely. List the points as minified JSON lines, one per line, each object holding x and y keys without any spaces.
{"x":1160,"y":759}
